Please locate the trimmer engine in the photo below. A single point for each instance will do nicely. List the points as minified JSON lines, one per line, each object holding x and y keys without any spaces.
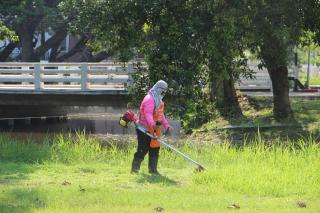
{"x":127,"y":117}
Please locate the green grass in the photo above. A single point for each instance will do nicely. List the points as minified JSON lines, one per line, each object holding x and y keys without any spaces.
{"x":258,"y":112}
{"x":77,"y":174}
{"x":313,"y":79}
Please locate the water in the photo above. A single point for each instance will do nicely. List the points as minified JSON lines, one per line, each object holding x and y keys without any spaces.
{"x":94,"y":120}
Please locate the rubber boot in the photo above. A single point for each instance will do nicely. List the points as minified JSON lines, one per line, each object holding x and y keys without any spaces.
{"x":153,"y":164}
{"x":136,"y":163}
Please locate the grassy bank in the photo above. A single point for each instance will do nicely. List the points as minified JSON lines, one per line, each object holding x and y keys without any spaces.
{"x":257,"y":112}
{"x":77,"y":174}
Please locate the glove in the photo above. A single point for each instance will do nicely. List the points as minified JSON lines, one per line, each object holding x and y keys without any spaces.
{"x":168,"y":131}
{"x":157,"y":125}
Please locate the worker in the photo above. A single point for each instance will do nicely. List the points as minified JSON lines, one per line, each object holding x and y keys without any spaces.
{"x":151,"y":118}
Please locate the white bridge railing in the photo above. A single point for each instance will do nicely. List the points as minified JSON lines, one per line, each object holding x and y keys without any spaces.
{"x":62,"y":77}
{"x":261,"y":80}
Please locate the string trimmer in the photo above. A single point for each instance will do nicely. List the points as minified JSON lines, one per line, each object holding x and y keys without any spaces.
{"x":130,"y":117}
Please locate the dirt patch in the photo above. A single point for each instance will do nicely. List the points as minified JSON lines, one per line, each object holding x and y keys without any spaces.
{"x":301,"y":204}
{"x":65,"y":183}
{"x":159,"y":209}
{"x":234,"y":206}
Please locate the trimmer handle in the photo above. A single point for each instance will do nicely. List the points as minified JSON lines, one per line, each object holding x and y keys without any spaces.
{"x":167,"y":132}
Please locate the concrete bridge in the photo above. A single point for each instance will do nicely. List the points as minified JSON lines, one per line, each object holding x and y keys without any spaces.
{"x":34,"y":97}
{"x":67,"y":84}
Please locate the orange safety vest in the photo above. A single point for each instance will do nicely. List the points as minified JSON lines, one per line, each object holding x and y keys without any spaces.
{"x":157,"y":116}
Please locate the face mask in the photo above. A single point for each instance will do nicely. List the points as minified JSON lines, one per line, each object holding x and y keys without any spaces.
{"x":163,"y":93}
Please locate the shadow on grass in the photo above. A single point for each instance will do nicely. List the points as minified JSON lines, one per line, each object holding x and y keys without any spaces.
{"x":259,"y":103}
{"x":244,"y":128}
{"x":156,"y":179}
{"x":21,"y":200}
{"x":13,"y":198}
{"x":241,"y":137}
{"x":12,"y":173}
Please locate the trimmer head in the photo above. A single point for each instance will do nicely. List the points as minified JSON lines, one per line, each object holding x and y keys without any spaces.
{"x":200,"y":169}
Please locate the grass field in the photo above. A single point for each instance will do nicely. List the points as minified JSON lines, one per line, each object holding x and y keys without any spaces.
{"x":77,"y":174}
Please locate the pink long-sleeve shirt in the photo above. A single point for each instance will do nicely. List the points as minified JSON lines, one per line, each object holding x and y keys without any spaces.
{"x":146,"y":113}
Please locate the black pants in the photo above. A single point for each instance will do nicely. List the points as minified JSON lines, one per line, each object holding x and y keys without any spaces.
{"x":144,"y":146}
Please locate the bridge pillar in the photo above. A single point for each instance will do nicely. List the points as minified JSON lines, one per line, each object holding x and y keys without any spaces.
{"x":27,"y":121}
{"x":11,"y":122}
{"x":37,"y":75}
{"x":84,"y":77}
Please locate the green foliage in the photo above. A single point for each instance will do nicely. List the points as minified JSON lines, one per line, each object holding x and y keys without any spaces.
{"x":6,"y":33}
{"x":311,"y":18}
{"x":308,"y":42}
{"x":116,"y":25}
{"x":199,"y":112}
{"x":178,"y":38}
{"x":224,"y":39}
{"x":141,"y":84}
{"x":30,"y":19}
{"x":192,"y":44}
{"x":17,"y":13}
{"x":276,"y":27}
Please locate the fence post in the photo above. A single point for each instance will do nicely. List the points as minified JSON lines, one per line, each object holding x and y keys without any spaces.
{"x":84,"y":77}
{"x":130,"y":71}
{"x":37,"y":77}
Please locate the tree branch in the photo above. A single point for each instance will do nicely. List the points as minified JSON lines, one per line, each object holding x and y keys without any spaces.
{"x":53,"y":54}
{"x":52,"y":3}
{"x":53,"y":41}
{"x":100,"y":56}
{"x":78,"y":47}
{"x":4,"y":54}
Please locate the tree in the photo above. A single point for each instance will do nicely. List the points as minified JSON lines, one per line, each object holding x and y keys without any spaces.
{"x":115,"y":26}
{"x":222,"y":34}
{"x":30,"y":19}
{"x":177,"y":39}
{"x":276,"y":28}
{"x":196,"y":40}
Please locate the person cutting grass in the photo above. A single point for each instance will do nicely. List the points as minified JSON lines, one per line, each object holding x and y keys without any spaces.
{"x":151,"y":118}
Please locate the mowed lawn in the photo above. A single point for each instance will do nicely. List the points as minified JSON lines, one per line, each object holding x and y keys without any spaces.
{"x":77,"y":174}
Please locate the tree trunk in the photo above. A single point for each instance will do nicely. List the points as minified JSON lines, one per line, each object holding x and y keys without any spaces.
{"x":224,"y":94}
{"x":217,"y":92}
{"x":280,"y":85}
{"x":81,"y":44}
{"x":53,"y":54}
{"x":4,"y":54}
{"x":26,"y":38}
{"x":54,"y":41}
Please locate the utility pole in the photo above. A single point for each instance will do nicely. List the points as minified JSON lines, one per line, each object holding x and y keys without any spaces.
{"x":308,"y":70}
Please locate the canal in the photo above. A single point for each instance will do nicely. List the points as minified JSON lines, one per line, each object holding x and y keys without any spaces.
{"x":97,"y":120}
